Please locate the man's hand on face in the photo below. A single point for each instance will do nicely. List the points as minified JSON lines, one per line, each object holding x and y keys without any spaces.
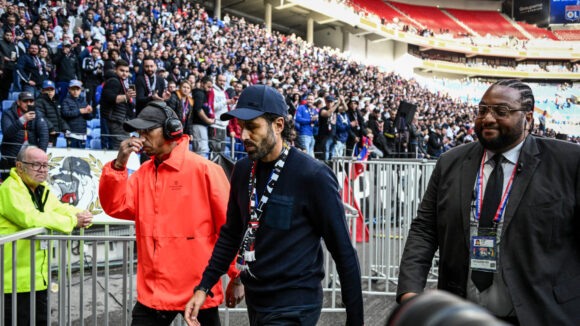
{"x":128,"y":146}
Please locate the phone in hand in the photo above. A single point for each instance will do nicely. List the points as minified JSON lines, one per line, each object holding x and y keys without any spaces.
{"x":132,"y":87}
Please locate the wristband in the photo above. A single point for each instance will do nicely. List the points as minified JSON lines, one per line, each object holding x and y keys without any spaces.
{"x":202,"y":288}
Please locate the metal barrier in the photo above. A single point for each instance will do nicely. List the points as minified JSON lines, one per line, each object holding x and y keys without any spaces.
{"x":388,"y":193}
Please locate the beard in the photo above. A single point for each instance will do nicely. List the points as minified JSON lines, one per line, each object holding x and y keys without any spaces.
{"x":504,"y":139}
{"x":263,"y":148}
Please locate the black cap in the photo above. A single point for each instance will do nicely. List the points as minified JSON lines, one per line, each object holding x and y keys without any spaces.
{"x":255,"y":101}
{"x":150,"y":117}
{"x":25,"y":96}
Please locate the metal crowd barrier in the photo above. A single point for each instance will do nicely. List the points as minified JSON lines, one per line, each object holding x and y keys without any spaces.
{"x":388,"y":193}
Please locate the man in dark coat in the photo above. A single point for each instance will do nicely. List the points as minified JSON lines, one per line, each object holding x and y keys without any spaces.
{"x":21,"y":126}
{"x":116,"y":102}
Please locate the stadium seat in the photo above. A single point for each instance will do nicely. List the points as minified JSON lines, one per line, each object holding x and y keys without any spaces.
{"x":6,"y":104}
{"x":95,"y":133}
{"x":95,"y":123}
{"x":13,"y":96}
{"x":61,"y":142}
{"x":95,"y":144}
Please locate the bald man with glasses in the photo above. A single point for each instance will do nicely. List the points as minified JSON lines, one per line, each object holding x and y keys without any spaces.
{"x":26,"y":202}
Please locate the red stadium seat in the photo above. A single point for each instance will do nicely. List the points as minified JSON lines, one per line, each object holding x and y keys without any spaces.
{"x":432,"y":18}
{"x":487,"y":22}
{"x":538,"y":32}
{"x":383,"y":10}
{"x":569,"y":35}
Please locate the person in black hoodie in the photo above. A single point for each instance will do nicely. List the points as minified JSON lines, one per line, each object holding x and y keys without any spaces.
{"x":281,"y":256}
{"x":149,"y":86}
{"x":49,"y":105}
{"x":21,"y":125}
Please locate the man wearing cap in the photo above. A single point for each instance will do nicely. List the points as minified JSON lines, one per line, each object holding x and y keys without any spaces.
{"x":67,"y":68}
{"x":49,"y":105}
{"x":178,"y":202}
{"x":21,"y":126}
{"x":76,"y":111}
{"x":282,"y":202}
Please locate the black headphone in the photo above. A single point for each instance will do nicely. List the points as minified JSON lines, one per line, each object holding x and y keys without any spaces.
{"x":172,"y":127}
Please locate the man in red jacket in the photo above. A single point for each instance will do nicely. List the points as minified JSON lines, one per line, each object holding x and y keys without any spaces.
{"x":178,"y":201}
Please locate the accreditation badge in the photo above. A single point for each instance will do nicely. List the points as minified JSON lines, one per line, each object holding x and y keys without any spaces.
{"x":483,"y":253}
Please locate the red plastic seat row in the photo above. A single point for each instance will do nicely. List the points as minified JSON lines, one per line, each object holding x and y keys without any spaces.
{"x":538,"y":32}
{"x":569,"y":35}
{"x":382,"y":10}
{"x":487,"y":22}
{"x":431,"y":17}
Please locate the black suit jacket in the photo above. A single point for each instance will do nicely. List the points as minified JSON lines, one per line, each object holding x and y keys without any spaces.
{"x":540,"y":244}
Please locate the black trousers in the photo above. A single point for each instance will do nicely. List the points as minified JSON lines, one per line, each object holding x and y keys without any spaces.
{"x":23,"y":308}
{"x":145,"y":316}
{"x":118,"y":134}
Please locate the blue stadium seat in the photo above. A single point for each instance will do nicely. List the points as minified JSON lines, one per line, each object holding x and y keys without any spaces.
{"x":96,"y":144}
{"x":61,"y":142}
{"x":13,"y":96}
{"x":6,"y":104}
{"x":95,"y":123}
{"x":96,"y":133}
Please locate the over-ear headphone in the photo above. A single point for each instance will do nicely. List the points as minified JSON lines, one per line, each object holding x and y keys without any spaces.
{"x":172,"y":127}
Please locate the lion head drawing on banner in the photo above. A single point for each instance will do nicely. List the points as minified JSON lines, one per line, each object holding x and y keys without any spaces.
{"x":75,"y":180}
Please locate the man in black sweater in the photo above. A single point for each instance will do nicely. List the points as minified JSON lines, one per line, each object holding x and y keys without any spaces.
{"x":281,"y":256}
{"x":117,"y":102}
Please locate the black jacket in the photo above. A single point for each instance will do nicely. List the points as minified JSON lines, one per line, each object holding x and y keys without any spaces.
{"x":67,"y":66}
{"x":110,"y":109}
{"x":13,"y":132}
{"x":143,"y":90}
{"x":71,"y":112}
{"x":539,"y":252}
{"x":51,"y":110}
{"x":6,"y":50}
{"x":176,"y":104}
{"x":200,"y":103}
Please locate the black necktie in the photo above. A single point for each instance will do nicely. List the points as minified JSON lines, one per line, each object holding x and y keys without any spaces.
{"x":491,"y":200}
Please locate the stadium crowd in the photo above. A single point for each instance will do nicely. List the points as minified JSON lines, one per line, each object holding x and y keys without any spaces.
{"x":74,"y":61}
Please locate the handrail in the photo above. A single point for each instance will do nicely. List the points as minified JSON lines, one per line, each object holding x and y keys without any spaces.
{"x":21,"y":235}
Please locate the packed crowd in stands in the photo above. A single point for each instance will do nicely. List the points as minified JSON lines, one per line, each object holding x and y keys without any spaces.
{"x":75,"y":62}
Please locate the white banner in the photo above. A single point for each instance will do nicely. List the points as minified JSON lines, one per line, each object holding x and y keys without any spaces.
{"x":75,"y":173}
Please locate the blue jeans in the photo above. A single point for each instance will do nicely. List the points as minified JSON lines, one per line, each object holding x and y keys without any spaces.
{"x":287,"y":316}
{"x":339,"y":149}
{"x":329,"y":148}
{"x":307,"y":143}
{"x":75,"y":143}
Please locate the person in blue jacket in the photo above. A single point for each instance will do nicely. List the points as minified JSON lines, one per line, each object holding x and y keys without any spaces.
{"x":307,"y":125}
{"x":76,"y":112}
{"x":342,"y":131}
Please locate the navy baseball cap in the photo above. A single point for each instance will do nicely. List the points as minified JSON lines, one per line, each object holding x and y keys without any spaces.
{"x":255,"y":101}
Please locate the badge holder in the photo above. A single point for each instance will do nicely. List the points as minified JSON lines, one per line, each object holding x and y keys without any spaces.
{"x":483,"y":249}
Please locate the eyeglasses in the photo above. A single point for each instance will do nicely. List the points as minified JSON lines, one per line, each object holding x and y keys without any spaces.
{"x":498,"y":111}
{"x":37,"y":166}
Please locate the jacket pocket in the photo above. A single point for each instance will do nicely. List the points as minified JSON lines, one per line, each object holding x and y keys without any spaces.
{"x":567,"y":290}
{"x":278,"y":213}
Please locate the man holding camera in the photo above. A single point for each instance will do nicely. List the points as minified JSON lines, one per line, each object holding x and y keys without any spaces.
{"x":21,"y":126}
